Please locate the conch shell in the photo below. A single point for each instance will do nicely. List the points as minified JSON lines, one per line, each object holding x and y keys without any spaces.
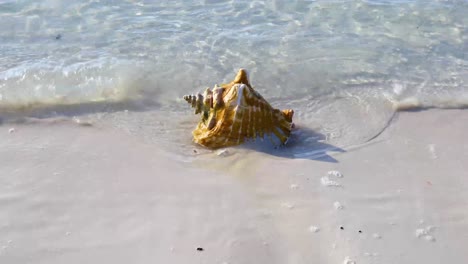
{"x":233,"y":113}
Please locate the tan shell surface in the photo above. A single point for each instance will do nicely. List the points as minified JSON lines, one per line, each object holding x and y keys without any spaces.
{"x":235,"y":112}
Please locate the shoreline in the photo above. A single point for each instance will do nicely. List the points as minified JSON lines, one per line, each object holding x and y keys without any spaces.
{"x":74,"y":194}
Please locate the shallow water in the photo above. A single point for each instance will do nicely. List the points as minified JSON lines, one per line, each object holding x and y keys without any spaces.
{"x":345,"y":67}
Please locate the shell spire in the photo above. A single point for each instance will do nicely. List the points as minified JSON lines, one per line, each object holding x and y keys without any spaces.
{"x":242,"y":77}
{"x":233,"y":113}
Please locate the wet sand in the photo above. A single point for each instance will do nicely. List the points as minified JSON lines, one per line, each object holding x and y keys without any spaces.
{"x":93,"y":194}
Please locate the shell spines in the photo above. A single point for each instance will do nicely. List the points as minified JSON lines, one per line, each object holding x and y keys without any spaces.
{"x":233,"y":113}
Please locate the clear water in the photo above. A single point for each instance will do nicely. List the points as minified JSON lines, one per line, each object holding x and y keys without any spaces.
{"x":345,"y":67}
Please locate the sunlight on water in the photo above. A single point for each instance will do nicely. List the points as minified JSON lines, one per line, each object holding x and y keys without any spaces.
{"x":325,"y":59}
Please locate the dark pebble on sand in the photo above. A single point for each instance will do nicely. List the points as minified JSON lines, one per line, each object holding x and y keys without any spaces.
{"x":360,"y":231}
{"x":199,"y":249}
{"x":342,"y":228}
{"x":59,"y":36}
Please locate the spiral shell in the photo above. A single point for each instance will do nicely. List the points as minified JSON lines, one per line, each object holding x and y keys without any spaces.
{"x":233,"y":113}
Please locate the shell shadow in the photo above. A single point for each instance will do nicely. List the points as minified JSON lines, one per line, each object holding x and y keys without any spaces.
{"x":304,"y":143}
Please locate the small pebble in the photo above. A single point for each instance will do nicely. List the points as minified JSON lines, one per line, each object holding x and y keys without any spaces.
{"x":420,"y":232}
{"x":347,"y":260}
{"x":11,"y":130}
{"x":59,"y":36}
{"x":338,"y":206}
{"x":325,"y":180}
{"x":335,"y":173}
{"x":287,"y":205}
{"x":342,"y":228}
{"x":360,"y":231}
{"x":425,"y":233}
{"x":82,"y":122}
{"x":294,"y":186}
{"x":222,"y":153}
{"x":432,"y":151}
{"x":429,"y":238}
{"x":200,"y":249}
{"x":314,"y":229}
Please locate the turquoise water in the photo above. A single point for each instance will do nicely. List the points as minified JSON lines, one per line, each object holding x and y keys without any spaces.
{"x":344,"y":66}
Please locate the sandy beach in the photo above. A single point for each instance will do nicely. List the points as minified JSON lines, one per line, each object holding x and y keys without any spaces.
{"x":98,"y":101}
{"x":94,"y":194}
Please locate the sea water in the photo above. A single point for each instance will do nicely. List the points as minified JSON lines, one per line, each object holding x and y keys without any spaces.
{"x":345,"y":67}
